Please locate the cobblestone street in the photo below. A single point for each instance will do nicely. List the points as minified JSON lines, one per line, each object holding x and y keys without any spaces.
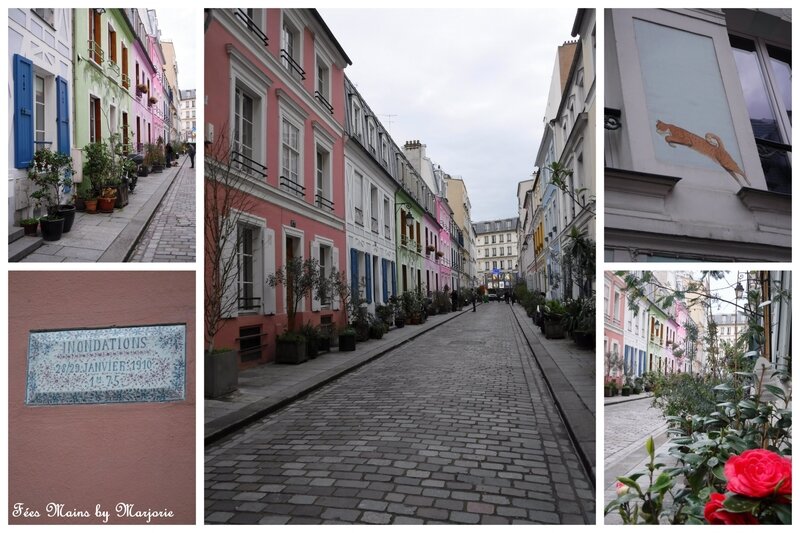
{"x":170,"y":235}
{"x":456,"y":426}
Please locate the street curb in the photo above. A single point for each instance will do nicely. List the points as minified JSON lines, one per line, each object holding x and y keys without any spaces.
{"x":629,"y":399}
{"x":125,"y":243}
{"x":563,"y":394}
{"x":225,"y":425}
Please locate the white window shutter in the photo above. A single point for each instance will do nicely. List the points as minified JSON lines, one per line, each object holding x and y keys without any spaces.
{"x":268,"y":248}
{"x":230,"y":292}
{"x":335,"y":268}
{"x":315,"y":302}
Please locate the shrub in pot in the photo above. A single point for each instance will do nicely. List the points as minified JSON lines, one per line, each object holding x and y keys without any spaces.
{"x":221,"y":372}
{"x":290,"y":349}
{"x":312,"y":336}
{"x":347,"y":340}
{"x":51,"y":173}
{"x":30,"y":225}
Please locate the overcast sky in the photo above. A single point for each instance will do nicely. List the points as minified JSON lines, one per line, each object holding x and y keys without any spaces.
{"x":179,"y":25}
{"x":471,"y":84}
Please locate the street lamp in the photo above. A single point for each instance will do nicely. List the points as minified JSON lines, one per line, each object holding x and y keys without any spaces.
{"x":739,"y":290}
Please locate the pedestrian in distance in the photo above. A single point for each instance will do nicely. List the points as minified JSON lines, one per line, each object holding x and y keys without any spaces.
{"x":513,"y":298}
{"x":474,"y":299}
{"x":168,"y":152}
{"x":191,"y":154}
{"x":507,"y":297}
{"x":454,"y":298}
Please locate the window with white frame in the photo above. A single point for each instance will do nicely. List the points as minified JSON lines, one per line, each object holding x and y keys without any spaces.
{"x":290,"y":140}
{"x":356,"y":118}
{"x":325,"y":269}
{"x":39,"y":110}
{"x":373,"y":208}
{"x":358,"y":197}
{"x":384,"y":150}
{"x":387,"y":218}
{"x":371,"y":135}
{"x":243,"y":122}
{"x":291,"y":44}
{"x":249,"y":267}
{"x":248,"y":115}
{"x":322,"y":193}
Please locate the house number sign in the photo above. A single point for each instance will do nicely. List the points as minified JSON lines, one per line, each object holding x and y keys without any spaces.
{"x":112,"y":365}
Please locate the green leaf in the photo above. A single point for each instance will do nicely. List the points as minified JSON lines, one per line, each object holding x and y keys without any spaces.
{"x":777,"y":391}
{"x":662,"y":483}
{"x":719,"y":472}
{"x":712,"y":462}
{"x":783,"y":512}
{"x":740,"y":504}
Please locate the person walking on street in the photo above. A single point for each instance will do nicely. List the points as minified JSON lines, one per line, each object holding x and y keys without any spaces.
{"x":507,"y":297}
{"x":454,"y":298}
{"x":474,"y":298}
{"x":168,"y":153}
{"x":191,"y":154}
{"x":513,"y":298}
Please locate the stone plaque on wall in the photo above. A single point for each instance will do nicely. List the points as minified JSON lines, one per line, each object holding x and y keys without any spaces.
{"x":110,"y":365}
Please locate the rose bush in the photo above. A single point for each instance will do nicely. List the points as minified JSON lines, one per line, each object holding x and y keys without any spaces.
{"x":759,"y":474}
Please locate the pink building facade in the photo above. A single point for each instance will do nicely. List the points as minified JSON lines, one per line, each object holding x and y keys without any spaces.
{"x":142,"y":124}
{"x":275,"y":109}
{"x":614,"y":303}
{"x":89,"y":454}
{"x":432,"y":279}
{"x":445,"y":253}
{"x":159,"y":108}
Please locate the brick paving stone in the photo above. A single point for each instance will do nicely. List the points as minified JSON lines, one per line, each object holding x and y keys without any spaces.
{"x":455,"y":426}
{"x":170,"y":234}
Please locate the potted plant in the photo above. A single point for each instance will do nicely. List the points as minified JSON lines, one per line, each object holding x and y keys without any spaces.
{"x":553,"y":316}
{"x":97,"y":165}
{"x":614,"y":388}
{"x":152,"y":100}
{"x":376,"y":328}
{"x":430,"y":248}
{"x":30,"y":225}
{"x":141,"y":88}
{"x":300,"y":278}
{"x":347,"y":339}
{"x":221,"y":372}
{"x":152,"y":159}
{"x":626,"y":390}
{"x":312,"y":336}
{"x":108,"y":196}
{"x":385,"y":312}
{"x":607,"y":390}
{"x":51,"y":173}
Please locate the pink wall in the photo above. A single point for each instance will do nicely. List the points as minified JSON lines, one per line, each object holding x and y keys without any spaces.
{"x":100,"y":454}
{"x":139,"y":107}
{"x":218,"y":113}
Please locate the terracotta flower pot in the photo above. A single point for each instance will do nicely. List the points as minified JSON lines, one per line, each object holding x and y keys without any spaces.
{"x":106,"y":205}
{"x":91,"y":206}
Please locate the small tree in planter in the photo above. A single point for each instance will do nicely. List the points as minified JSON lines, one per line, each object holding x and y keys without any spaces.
{"x":226,"y":199}
{"x":554,"y":314}
{"x":300,"y":277}
{"x":51,"y":172}
{"x":341,"y":288}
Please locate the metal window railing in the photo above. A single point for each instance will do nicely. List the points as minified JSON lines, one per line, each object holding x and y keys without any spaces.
{"x":375,"y":225}
{"x":323,"y":203}
{"x":292,"y":187}
{"x":322,"y":100}
{"x":96,"y":52}
{"x":251,"y":25}
{"x":126,"y":81}
{"x":291,"y":64}
{"x":359,"y":216}
{"x":246,"y":164}
{"x":250,"y":303}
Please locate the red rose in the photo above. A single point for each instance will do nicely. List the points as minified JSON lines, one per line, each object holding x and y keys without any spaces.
{"x":757,"y":474}
{"x":716,"y":514}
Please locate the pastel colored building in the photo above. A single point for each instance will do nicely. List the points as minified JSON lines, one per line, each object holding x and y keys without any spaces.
{"x":143,"y":77}
{"x":83,"y":455}
{"x":275,"y":110}
{"x":40,"y":96}
{"x":409,"y":224}
{"x":370,"y":188}
{"x":613,"y":312}
{"x":635,"y":337}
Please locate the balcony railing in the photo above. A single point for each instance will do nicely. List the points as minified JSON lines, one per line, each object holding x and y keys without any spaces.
{"x":251,"y":25}
{"x":292,"y":187}
{"x":248,"y":165}
{"x":387,"y":231}
{"x":292,"y":65}
{"x":375,"y":225}
{"x":113,"y":67}
{"x":323,"y":203}
{"x":321,"y":99}
{"x":359,"y":216}
{"x":126,"y":81}
{"x":96,"y":52}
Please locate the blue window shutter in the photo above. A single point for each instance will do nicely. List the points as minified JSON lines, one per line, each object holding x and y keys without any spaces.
{"x":385,"y":281}
{"x":368,"y":276}
{"x":394,"y":279}
{"x":23,"y":112}
{"x":354,"y":274}
{"x":62,"y":118}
